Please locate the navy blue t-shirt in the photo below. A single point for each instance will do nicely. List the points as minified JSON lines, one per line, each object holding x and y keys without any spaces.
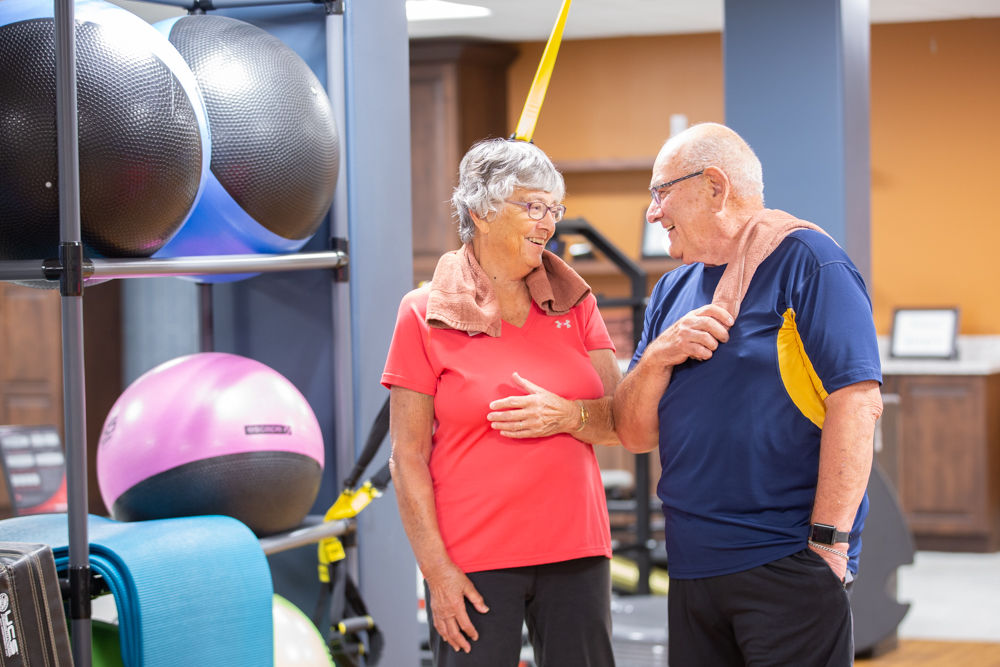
{"x":740,"y":433}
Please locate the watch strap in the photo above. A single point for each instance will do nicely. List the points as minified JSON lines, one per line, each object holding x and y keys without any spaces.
{"x":822,"y":533}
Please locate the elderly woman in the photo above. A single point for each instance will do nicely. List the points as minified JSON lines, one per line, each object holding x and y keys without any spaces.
{"x":501,"y":372}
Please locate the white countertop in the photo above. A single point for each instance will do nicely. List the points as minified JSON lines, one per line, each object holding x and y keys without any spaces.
{"x":977,"y":355}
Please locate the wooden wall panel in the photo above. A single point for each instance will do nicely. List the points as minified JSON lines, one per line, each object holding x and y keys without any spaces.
{"x":30,"y":357}
{"x":458,"y":95}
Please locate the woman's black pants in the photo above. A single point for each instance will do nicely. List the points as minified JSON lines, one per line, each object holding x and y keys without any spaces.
{"x":566,"y":606}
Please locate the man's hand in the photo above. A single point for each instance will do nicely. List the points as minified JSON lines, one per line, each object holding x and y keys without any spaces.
{"x":695,"y":336}
{"x":541,"y":413}
{"x":837,"y":563}
{"x":448,"y":588}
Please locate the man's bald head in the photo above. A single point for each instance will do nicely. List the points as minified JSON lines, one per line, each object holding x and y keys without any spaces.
{"x":714,"y":145}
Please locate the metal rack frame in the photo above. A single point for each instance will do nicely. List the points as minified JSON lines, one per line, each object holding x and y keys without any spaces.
{"x":71,"y":270}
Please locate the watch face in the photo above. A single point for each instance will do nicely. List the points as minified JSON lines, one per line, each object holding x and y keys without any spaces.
{"x":823,"y":534}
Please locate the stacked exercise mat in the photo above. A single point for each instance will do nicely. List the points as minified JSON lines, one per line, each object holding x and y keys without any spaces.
{"x":189,"y":591}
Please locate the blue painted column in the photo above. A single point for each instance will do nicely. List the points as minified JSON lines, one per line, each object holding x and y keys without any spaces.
{"x":377,"y":81}
{"x":797,"y":89}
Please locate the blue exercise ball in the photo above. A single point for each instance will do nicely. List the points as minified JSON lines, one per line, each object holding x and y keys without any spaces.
{"x":275,"y":152}
{"x":144,"y":146}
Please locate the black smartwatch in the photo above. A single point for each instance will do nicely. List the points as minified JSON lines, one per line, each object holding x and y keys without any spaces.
{"x":822,"y":533}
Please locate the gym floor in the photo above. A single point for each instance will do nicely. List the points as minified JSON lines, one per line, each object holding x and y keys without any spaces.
{"x":954,"y":618}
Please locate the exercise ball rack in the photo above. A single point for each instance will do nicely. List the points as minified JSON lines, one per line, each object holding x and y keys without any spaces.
{"x":71,"y":270}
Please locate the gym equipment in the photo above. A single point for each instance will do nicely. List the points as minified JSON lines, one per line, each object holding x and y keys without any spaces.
{"x":34,"y":469}
{"x":297,"y":642}
{"x":275,"y":152}
{"x":339,"y":600}
{"x":191,"y":591}
{"x":887,"y":544}
{"x":144,"y":146}
{"x":69,"y":270}
{"x":536,"y":94}
{"x":32,"y":623}
{"x":211,"y":433}
{"x":625,"y":576}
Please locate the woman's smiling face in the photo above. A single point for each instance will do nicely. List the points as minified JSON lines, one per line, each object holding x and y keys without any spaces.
{"x":515,"y":240}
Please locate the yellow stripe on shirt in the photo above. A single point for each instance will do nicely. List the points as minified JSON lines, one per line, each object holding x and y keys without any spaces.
{"x":797,"y":373}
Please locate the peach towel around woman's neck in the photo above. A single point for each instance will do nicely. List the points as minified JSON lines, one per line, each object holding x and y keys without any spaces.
{"x":763,"y":233}
{"x":463,"y":298}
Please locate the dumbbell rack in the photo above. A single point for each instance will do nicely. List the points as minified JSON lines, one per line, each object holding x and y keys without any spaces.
{"x":72,"y":270}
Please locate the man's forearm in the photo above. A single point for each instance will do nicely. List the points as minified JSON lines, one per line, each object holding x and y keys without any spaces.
{"x":636,"y":407}
{"x":846,"y":451}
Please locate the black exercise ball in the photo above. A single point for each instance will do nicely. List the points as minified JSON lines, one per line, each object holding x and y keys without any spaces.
{"x":143,"y":137}
{"x":275,"y":152}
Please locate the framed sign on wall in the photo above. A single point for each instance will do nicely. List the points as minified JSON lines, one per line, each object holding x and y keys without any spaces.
{"x":924,"y":333}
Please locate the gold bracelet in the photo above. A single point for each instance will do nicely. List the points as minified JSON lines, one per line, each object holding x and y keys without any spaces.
{"x":583,"y":417}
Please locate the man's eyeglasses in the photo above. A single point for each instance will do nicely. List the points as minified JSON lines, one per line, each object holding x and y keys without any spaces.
{"x":655,"y":190}
{"x":537,"y":210}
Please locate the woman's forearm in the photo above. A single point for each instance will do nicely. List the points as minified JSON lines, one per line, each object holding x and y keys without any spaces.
{"x":600,"y":427}
{"x":415,"y":495}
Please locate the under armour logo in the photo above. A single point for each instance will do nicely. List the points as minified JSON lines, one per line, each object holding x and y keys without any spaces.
{"x":560,"y":325}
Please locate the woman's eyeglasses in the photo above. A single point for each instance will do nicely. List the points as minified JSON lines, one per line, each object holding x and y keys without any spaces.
{"x":537,"y":210}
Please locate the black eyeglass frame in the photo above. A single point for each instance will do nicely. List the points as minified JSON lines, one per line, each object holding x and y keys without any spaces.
{"x":548,"y":209}
{"x":654,"y":191}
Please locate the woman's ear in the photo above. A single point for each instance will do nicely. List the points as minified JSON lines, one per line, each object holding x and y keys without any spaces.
{"x":481,"y":224}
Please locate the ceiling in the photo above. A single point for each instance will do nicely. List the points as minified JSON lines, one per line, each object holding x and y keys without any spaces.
{"x":528,"y":20}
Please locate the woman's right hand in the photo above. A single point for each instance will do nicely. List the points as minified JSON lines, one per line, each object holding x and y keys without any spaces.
{"x":449,"y":587}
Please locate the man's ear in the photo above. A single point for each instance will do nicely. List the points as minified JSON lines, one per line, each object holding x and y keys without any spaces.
{"x":720,"y":187}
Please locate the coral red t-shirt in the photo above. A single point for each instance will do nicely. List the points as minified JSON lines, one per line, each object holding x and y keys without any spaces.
{"x":503,"y":502}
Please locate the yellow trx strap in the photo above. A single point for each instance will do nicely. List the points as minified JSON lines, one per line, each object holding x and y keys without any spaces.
{"x":529,"y":116}
{"x":350,"y":502}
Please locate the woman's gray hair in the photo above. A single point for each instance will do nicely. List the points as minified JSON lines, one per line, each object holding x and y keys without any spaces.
{"x":713,"y":145}
{"x":491,"y":171}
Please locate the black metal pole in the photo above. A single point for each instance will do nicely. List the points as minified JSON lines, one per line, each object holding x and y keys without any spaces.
{"x":643,"y":534}
{"x":637,"y":278}
{"x":71,"y":289}
{"x":206,"y":326}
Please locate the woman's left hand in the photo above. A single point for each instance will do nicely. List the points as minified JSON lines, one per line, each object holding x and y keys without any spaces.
{"x":541,"y":413}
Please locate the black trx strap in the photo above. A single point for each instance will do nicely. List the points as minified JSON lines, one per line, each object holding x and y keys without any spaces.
{"x":339,"y":599}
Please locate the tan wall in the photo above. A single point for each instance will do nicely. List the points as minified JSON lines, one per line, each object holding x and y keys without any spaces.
{"x":936,"y":169}
{"x":935,"y":147}
{"x":612,"y":98}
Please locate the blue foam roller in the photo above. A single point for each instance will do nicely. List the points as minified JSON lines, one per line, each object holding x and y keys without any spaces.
{"x":194,"y":591}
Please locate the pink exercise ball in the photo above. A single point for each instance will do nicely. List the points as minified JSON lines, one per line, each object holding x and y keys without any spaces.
{"x":211,"y":433}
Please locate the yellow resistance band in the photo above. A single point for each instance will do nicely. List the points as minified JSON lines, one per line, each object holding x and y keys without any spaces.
{"x":529,"y":116}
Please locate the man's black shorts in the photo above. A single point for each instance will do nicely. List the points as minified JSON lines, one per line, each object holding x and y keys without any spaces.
{"x":793,"y":611}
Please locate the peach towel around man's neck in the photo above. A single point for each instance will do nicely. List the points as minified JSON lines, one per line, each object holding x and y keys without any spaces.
{"x":463,"y":298}
{"x":763,"y":233}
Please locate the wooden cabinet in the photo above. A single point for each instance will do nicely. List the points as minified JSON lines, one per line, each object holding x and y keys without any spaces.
{"x":30,"y":357}
{"x":458,"y":95}
{"x":948,"y":459}
{"x":31,"y":363}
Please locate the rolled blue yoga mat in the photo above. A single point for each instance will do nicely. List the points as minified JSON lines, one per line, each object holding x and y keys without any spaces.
{"x":194,"y":591}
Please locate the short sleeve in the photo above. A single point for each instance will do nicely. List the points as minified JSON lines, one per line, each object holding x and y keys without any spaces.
{"x":595,"y":332}
{"x":408,"y":364}
{"x":833,"y":315}
{"x":647,"y":323}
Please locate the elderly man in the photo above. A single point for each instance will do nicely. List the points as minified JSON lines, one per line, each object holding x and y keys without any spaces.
{"x":757,"y":377}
